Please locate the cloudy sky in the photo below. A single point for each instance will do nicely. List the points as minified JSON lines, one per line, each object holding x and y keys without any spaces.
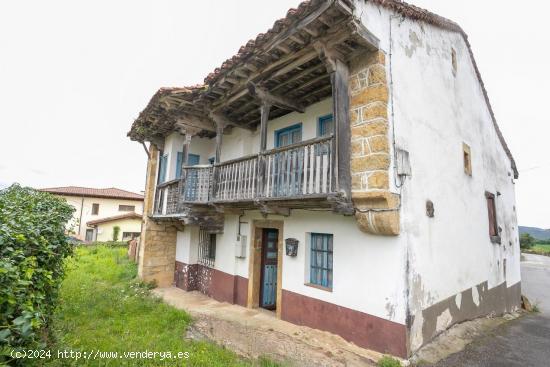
{"x":75,"y":74}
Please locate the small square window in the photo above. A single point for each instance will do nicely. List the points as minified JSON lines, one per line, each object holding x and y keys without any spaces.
{"x":95,"y":209}
{"x":467,"y":158}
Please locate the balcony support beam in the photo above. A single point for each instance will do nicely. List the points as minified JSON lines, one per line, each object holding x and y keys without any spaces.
{"x":273,"y":99}
{"x":265,"y":107}
{"x":339,"y":76}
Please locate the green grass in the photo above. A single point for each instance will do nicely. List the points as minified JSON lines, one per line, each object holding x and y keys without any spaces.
{"x":103,"y":307}
{"x":542,"y":248}
{"x":539,"y":248}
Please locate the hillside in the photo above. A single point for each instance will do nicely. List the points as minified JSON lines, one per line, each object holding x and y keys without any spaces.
{"x":538,"y":233}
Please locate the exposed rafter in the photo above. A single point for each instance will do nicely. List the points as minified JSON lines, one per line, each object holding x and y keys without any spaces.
{"x":273,"y":99}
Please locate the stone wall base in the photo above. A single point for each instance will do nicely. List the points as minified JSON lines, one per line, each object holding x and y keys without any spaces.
{"x":157,"y":253}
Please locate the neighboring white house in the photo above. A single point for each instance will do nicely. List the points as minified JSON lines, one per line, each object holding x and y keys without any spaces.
{"x":344,"y":169}
{"x":97,"y":211}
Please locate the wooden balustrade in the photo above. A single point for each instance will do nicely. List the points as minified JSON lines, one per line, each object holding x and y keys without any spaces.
{"x":299,"y":170}
{"x":167,"y":197}
{"x":197,"y":181}
{"x":236,"y":179}
{"x":294,"y":171}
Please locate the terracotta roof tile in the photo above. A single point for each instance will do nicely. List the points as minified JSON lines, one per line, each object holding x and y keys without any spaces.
{"x":113,"y":218}
{"x":110,"y":192}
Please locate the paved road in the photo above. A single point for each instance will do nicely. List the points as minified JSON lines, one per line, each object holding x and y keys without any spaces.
{"x":524,"y":342}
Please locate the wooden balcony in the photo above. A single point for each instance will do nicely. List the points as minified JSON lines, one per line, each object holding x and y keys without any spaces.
{"x":300,"y":174}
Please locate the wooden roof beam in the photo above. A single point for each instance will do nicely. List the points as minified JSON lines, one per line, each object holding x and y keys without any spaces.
{"x":195,"y":122}
{"x":275,"y":100}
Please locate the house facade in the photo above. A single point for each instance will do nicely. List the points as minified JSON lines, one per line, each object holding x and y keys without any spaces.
{"x":344,"y":170}
{"x":98,"y":211}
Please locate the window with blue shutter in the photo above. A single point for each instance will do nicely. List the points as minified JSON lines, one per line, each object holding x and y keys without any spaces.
{"x":162,"y":168}
{"x":320,"y":272}
{"x":193,"y":159}
{"x":325,"y":126}
{"x":178,"y":164}
{"x":289,"y":135}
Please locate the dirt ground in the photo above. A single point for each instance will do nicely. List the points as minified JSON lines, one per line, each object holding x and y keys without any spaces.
{"x":254,"y":333}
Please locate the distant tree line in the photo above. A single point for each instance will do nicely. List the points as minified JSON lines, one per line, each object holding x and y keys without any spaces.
{"x":527,"y":241}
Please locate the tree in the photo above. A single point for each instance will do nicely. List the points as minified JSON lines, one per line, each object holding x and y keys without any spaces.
{"x":526,"y":241}
{"x":116,"y":232}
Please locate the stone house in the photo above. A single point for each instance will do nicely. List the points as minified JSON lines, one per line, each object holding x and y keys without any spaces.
{"x":98,"y":211}
{"x":343,"y":169}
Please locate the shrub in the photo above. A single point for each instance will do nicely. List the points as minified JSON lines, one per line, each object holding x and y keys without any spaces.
{"x":33,"y":247}
{"x":526,"y":241}
{"x":116,"y":232}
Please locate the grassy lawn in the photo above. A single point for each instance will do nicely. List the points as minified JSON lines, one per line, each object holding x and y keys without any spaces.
{"x":541,"y":249}
{"x":103,"y":307}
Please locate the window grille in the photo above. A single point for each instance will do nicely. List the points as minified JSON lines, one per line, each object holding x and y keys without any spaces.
{"x":207,"y":248}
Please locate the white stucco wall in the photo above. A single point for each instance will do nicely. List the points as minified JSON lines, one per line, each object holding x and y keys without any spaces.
{"x":435,"y":112}
{"x":368,"y":270}
{"x":107,"y":208}
{"x":104,"y":231}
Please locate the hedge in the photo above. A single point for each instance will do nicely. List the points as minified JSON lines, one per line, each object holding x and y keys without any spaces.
{"x":33,"y":247}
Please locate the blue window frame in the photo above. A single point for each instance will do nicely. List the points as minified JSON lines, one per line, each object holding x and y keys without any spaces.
{"x":320,"y":272}
{"x":325,"y":125}
{"x":193,"y":159}
{"x":288,"y":135}
{"x":163,"y":162}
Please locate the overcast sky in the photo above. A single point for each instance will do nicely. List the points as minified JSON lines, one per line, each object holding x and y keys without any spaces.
{"x":75,"y":74}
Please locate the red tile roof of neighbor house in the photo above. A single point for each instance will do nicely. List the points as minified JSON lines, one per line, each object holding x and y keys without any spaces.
{"x":113,"y":218}
{"x":109,"y":193}
{"x":293,"y":15}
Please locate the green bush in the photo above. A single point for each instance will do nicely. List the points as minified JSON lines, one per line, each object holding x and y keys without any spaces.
{"x":33,"y":247}
{"x":526,"y":241}
{"x":388,"y":361}
{"x":116,"y":232}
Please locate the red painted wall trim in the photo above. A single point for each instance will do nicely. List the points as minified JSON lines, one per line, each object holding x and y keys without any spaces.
{"x":365,"y":330}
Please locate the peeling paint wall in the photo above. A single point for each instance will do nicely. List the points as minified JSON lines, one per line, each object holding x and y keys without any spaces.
{"x":454,"y":271}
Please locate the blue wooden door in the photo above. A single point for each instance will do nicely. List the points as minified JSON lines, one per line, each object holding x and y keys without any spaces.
{"x":270,"y":253}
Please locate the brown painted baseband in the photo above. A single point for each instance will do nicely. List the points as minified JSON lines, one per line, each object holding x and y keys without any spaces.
{"x":497,"y":301}
{"x":364,"y":330}
{"x":214,"y":283}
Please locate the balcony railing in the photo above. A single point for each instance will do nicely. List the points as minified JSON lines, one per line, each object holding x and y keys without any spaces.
{"x":296,"y":171}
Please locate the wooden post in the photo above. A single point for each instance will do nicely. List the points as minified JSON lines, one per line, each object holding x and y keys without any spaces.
{"x":185,"y":150}
{"x":264,"y":110}
{"x":341,"y":158}
{"x":219,"y":138}
{"x":217,"y":158}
